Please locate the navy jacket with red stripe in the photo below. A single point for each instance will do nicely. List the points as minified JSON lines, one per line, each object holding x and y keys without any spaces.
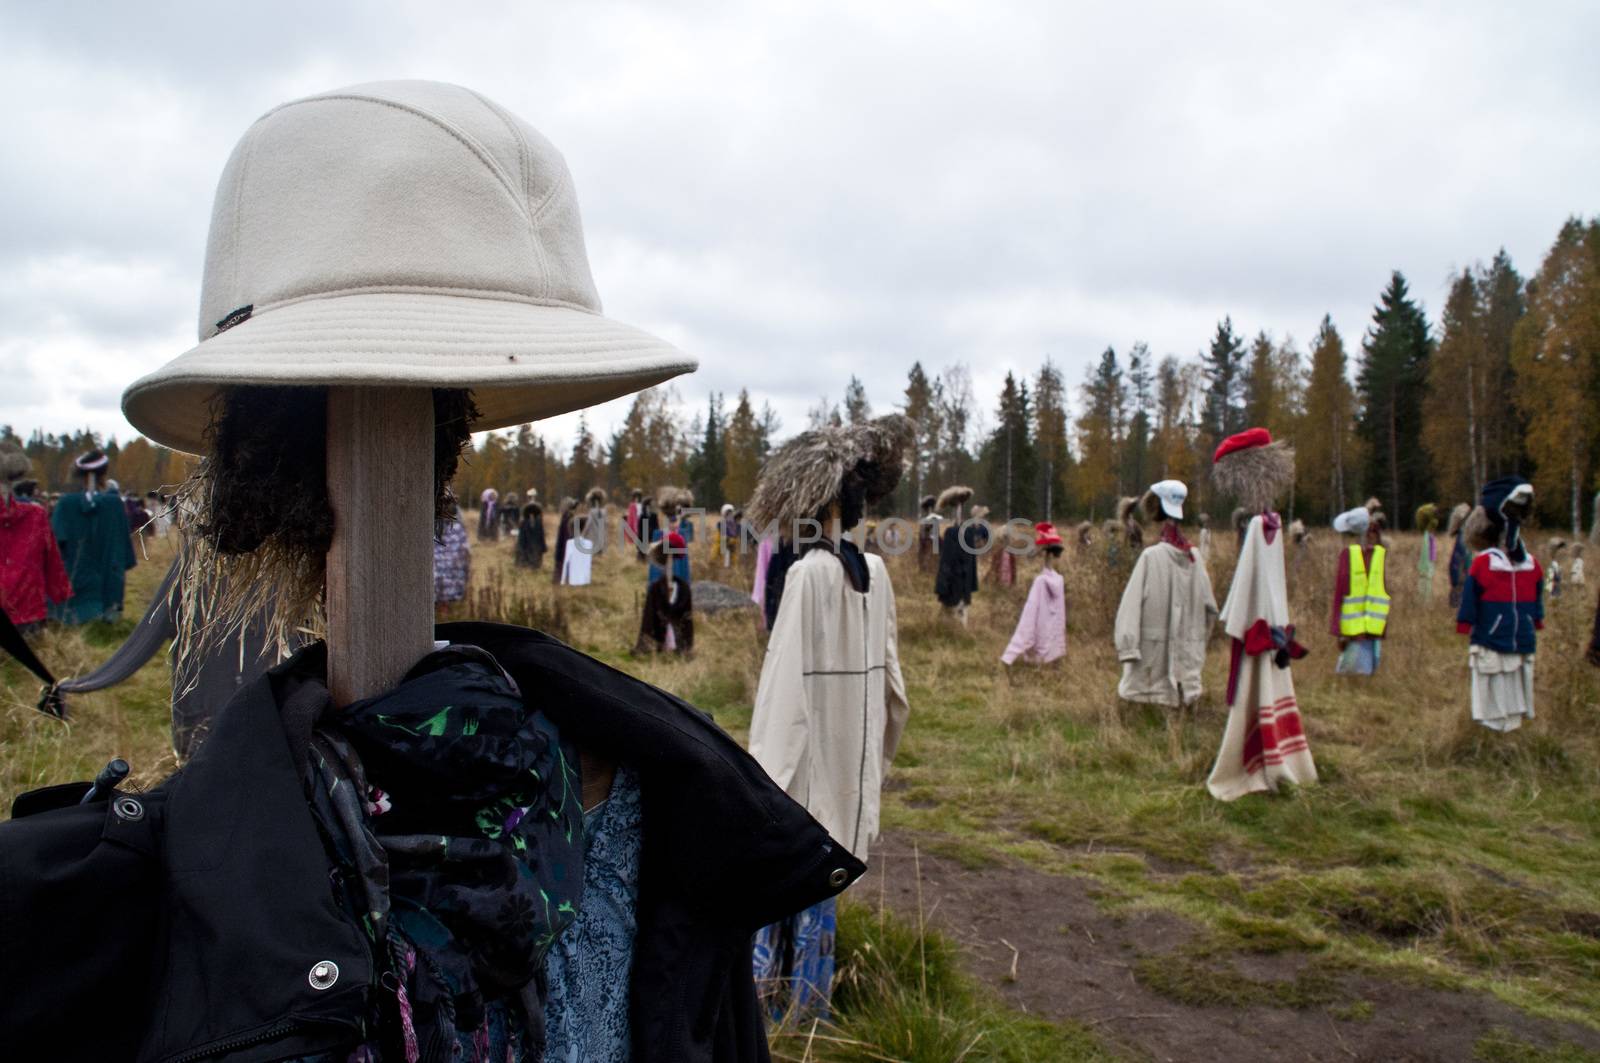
{"x":1502,"y":602}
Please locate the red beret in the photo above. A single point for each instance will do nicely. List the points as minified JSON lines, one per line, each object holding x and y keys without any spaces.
{"x":675,"y":541}
{"x":1250,"y":437}
{"x":1046,"y":534}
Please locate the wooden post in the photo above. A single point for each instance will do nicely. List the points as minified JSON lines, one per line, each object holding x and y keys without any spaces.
{"x":380,"y":566}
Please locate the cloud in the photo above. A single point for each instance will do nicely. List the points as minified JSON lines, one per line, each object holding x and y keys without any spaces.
{"x":798,"y":193}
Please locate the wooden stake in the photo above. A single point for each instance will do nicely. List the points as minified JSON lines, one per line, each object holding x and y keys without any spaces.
{"x":380,"y":566}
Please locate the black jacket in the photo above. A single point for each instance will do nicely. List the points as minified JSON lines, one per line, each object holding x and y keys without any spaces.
{"x":958,"y":564}
{"x":190,"y":927}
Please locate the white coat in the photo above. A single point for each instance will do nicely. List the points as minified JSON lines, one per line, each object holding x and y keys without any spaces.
{"x":831,"y":704}
{"x":1162,"y":625}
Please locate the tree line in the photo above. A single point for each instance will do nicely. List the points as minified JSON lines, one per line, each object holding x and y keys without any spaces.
{"x":1506,"y":381}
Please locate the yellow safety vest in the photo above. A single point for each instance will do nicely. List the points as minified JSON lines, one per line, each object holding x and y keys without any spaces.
{"x":1365,"y":611}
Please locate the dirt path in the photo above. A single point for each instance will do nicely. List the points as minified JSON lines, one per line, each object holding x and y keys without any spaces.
{"x":1073,"y":961}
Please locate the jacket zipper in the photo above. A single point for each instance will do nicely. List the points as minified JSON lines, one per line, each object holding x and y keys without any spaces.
{"x":221,"y":1048}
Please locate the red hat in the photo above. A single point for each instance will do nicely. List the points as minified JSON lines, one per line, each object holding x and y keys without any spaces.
{"x":1250,"y":437}
{"x":674,"y":541}
{"x":1046,"y":534}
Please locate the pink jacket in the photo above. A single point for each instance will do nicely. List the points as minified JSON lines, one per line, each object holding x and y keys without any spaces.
{"x":1041,"y":635}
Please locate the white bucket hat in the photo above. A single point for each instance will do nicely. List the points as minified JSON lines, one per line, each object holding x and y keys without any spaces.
{"x":404,"y":233}
{"x":1353,"y":521}
{"x":1171,"y":494}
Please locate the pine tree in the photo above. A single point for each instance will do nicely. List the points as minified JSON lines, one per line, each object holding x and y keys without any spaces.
{"x":1391,"y":382}
{"x":1100,"y":434}
{"x":1135,"y":460}
{"x":1050,"y":441}
{"x":1175,"y":455}
{"x":709,"y":463}
{"x":1010,"y":461}
{"x":583,"y":468}
{"x":1325,"y":444}
{"x":742,"y":444}
{"x":923,"y":411}
{"x":1261,"y":385}
{"x":856,"y":408}
{"x":1504,"y":302}
{"x":1223,"y":363}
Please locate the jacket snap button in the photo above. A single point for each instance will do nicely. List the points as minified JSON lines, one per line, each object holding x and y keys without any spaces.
{"x":839,"y":877}
{"x":127,"y":808}
{"x":323,"y":974}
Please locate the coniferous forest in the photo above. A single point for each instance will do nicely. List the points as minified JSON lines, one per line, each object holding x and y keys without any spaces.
{"x":1422,"y":406}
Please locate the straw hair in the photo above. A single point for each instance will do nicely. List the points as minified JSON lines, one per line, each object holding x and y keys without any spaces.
{"x":1458,"y":517}
{"x":597,"y":496}
{"x":1478,"y":531}
{"x":953,"y":496}
{"x":806,"y":475}
{"x":14,"y":464}
{"x":1256,"y":476}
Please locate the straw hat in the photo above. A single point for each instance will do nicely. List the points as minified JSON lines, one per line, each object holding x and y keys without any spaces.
{"x":403,"y":233}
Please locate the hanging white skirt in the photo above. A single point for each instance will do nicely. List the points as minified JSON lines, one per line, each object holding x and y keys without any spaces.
{"x":1502,"y":688}
{"x":575,"y":569}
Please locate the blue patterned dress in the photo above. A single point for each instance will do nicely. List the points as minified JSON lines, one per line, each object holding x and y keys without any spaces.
{"x":590,"y":964}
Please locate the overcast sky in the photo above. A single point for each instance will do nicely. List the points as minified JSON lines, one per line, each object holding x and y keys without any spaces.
{"x":800,"y":191}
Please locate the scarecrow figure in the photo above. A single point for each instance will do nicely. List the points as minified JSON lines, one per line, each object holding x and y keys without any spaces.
{"x":389,"y":850}
{"x":452,"y":562}
{"x":1041,"y":633}
{"x":1427,"y":519}
{"x":31,"y":570}
{"x":631,"y":519}
{"x":957,"y":580}
{"x":831,"y":704}
{"x":1203,"y":547}
{"x":593,"y":526}
{"x":1167,"y":610}
{"x":1557,"y":548}
{"x":724,"y":536}
{"x":565,"y":527}
{"x":488,"y":518}
{"x":508,"y":511}
{"x":670,"y":504}
{"x":1502,"y":605}
{"x":1085,"y":537}
{"x":1577,"y":564}
{"x":927,"y":532}
{"x":530,"y":537}
{"x":1359,"y":618}
{"x":91,"y":527}
{"x":1460,"y":555}
{"x":649,"y":524}
{"x":1264,"y":744}
{"x":667,"y":622}
{"x":1003,"y":555}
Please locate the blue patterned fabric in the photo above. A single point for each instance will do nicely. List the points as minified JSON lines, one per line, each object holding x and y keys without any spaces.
{"x":589,"y":968}
{"x":793,"y":962}
{"x":1360,"y":657}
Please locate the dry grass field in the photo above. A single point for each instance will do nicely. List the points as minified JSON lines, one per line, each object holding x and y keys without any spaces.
{"x":1056,"y":884}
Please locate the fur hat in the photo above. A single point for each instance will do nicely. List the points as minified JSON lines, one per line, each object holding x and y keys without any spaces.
{"x":568,"y":504}
{"x":670,"y":499}
{"x":532,"y":509}
{"x":635,"y":494}
{"x":928,"y":502}
{"x":1427,"y":517}
{"x":509,"y":500}
{"x":1297,"y":530}
{"x":1556,"y":546}
{"x":953,"y":496}
{"x":92,"y":461}
{"x":1458,"y":517}
{"x":1085,"y":532}
{"x":14,"y":464}
{"x":1252,"y":468}
{"x":597,"y":496}
{"x":1373,"y":504}
{"x":806,"y":474}
{"x":1111,"y":528}
{"x":1128,"y":508}
{"x":978,"y":513}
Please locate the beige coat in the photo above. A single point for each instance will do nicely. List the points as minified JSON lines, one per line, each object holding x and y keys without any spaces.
{"x":832,"y":704}
{"x":1166,"y":614}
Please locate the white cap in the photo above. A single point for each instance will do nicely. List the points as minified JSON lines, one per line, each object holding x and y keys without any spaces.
{"x":1353,"y":521}
{"x":1171,"y":494}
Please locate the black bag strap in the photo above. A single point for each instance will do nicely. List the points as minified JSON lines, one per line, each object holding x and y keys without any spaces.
{"x":12,"y":642}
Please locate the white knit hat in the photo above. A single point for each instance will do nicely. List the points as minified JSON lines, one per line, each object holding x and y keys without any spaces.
{"x":1353,"y":521}
{"x":404,"y":233}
